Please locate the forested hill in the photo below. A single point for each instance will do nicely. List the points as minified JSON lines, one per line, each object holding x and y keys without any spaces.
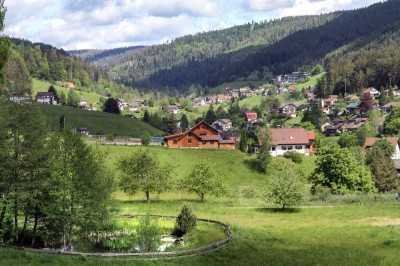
{"x":93,"y":55}
{"x":280,"y":46}
{"x":42,"y":61}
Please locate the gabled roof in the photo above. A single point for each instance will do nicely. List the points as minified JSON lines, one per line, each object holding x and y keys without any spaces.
{"x":181,"y":135}
{"x":291,"y":136}
{"x":251,"y":115}
{"x":369,"y":142}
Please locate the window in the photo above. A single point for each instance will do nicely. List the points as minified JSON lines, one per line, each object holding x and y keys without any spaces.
{"x":284,"y":148}
{"x":175,"y":141}
{"x":299,"y":147}
{"x":212,"y":142}
{"x":273,"y":148}
{"x":189,"y":140}
{"x":290,"y":148}
{"x":204,"y":143}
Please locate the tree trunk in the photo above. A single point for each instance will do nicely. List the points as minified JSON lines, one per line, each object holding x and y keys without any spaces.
{"x":283,"y":207}
{"x":25,"y":222}
{"x":35,"y":225}
{"x":2,"y":215}
{"x":148,"y":196}
{"x":202,"y":197}
{"x":16,"y":217}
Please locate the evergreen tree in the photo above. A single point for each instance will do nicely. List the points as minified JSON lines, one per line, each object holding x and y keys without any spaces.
{"x":146,"y":116}
{"x":383,"y":99}
{"x":171,"y":124}
{"x":54,"y":91}
{"x":184,"y":122}
{"x":63,"y":99}
{"x":73,"y":98}
{"x":243,"y":145}
{"x":211,"y":117}
{"x":111,"y":106}
{"x":264,"y":156}
{"x":391,"y":93}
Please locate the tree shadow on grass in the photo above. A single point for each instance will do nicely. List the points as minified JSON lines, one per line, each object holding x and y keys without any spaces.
{"x":278,"y":210}
{"x":253,"y":165}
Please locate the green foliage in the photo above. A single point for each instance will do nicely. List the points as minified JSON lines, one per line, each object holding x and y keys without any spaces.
{"x":146,"y":116}
{"x":378,"y":158}
{"x":73,"y":99}
{"x":243,"y":144}
{"x":294,"y":156}
{"x":185,"y":222}
{"x":284,"y":185}
{"x":17,"y":78}
{"x":317,"y":70}
{"x":145,"y":140}
{"x":392,"y":123}
{"x":204,"y":180}
{"x":142,"y":171}
{"x":364,"y":132}
{"x":338,"y":170}
{"x":184,"y":122}
{"x":149,"y":233}
{"x":264,"y":156}
{"x":347,"y":140}
{"x":210,"y":116}
{"x":314,"y":115}
{"x":111,"y":106}
{"x":172,"y":128}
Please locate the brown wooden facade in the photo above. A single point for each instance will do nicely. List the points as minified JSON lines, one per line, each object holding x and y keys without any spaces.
{"x":202,"y":136}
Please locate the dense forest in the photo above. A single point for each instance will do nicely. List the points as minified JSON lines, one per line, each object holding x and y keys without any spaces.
{"x":92,"y":55}
{"x":360,"y":37}
{"x":28,"y":60}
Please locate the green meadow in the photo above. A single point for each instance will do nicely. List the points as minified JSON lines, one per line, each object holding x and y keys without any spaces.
{"x":330,"y":233}
{"x":96,"y":121}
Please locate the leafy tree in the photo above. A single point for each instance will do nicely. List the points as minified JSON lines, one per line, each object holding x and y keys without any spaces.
{"x":204,"y":180}
{"x":284,"y":185}
{"x":145,"y":140}
{"x":111,"y":106}
{"x":185,"y":222}
{"x":314,"y":115}
{"x":338,"y":170}
{"x":367,"y":103}
{"x":317,"y":70}
{"x":54,"y":91}
{"x":4,"y":43}
{"x":17,"y":76}
{"x":142,"y":171}
{"x":149,"y":233}
{"x":392,"y":123}
{"x":347,"y":140}
{"x":73,"y":98}
{"x":378,"y":158}
{"x":184,"y":122}
{"x":391,"y":93}
{"x":243,"y":144}
{"x":63,"y":99}
{"x":264,"y":156}
{"x":151,"y":102}
{"x":366,"y":131}
{"x":383,"y":98}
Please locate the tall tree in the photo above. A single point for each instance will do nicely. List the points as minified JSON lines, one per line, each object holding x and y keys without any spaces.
{"x":367,"y":103}
{"x":243,"y":144}
{"x":73,"y":98}
{"x":111,"y":106}
{"x":184,"y":122}
{"x":142,"y":171}
{"x":264,"y":156}
{"x":210,"y":115}
{"x":4,"y":43}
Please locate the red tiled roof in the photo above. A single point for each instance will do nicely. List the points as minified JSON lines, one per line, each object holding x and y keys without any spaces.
{"x":288,"y":136}
{"x":251,"y":115}
{"x":311,"y":135}
{"x":369,"y":142}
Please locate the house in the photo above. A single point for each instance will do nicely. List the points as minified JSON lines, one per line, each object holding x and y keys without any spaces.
{"x":235,"y":93}
{"x":211,"y":99}
{"x":20,"y":99}
{"x":282,"y":90}
{"x":351,"y":97}
{"x":387,"y":108}
{"x":223,"y":98}
{"x":251,"y":116}
{"x":245,"y":92}
{"x":82,"y":130}
{"x":373,"y":92}
{"x":174,"y":109}
{"x":355,"y":124}
{"x":46,"y":98}
{"x":310,"y":97}
{"x":223,"y":124}
{"x":369,"y":142}
{"x":122,"y":104}
{"x":335,"y":128}
{"x":69,"y":85}
{"x":353,"y":108}
{"x":198,"y":102}
{"x":252,"y":120}
{"x":83,"y":102}
{"x":329,"y":103}
{"x":289,"y":110}
{"x":291,"y":140}
{"x":202,"y":136}
{"x":134,"y":106}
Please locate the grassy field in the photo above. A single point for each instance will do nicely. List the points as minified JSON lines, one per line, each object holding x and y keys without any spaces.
{"x":43,"y":86}
{"x":334,"y":234}
{"x":311,"y":82}
{"x":97,"y":121}
{"x":237,"y":84}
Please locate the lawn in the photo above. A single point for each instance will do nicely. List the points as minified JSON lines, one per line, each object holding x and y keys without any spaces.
{"x":311,"y":82}
{"x":327,"y":234}
{"x":43,"y":86}
{"x":97,"y":121}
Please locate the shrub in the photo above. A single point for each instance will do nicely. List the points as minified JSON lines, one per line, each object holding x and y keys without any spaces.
{"x":294,"y":156}
{"x":149,"y":233}
{"x":185,"y":222}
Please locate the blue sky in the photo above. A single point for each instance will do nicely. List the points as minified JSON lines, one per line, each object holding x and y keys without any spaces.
{"x":100,"y":24}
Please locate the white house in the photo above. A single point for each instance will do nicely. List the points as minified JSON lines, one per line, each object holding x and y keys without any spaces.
{"x":46,"y":98}
{"x":289,"y":110}
{"x":223,"y":124}
{"x":373,"y":92}
{"x":291,"y":140}
{"x":122,"y":104}
{"x":369,"y":142}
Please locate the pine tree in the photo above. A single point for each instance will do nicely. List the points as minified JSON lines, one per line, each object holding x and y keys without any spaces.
{"x":184,"y":122}
{"x":243,"y":140}
{"x":171,"y":124}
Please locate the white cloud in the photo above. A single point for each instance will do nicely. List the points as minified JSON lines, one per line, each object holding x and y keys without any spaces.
{"x":79,"y":24}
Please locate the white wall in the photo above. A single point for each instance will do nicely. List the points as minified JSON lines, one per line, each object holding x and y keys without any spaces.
{"x":280,"y":152}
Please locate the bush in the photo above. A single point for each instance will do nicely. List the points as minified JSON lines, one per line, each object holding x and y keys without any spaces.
{"x":185,"y":222}
{"x":294,"y":156}
{"x":149,"y":233}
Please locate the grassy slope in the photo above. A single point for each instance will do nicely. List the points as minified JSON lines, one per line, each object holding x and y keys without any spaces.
{"x":97,"y":121}
{"x":342,"y":235}
{"x":311,"y":82}
{"x":41,"y":86}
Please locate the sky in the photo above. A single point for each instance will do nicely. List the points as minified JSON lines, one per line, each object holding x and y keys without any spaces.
{"x":105,"y":24}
